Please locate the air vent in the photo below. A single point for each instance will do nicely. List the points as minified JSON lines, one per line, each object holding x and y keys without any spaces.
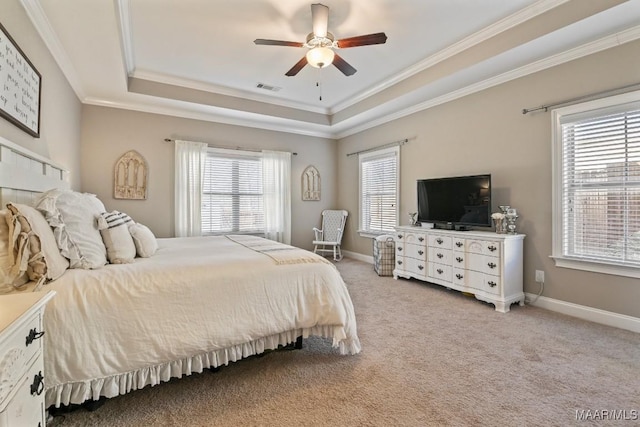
{"x":268,"y":87}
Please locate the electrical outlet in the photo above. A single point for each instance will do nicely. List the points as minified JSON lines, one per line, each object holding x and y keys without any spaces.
{"x":539,"y":276}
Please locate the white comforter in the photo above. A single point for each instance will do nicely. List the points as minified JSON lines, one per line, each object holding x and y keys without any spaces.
{"x":198,"y":302}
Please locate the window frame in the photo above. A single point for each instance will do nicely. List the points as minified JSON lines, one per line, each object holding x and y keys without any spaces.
{"x":367,"y":156}
{"x":230,"y":154}
{"x":558,"y":255}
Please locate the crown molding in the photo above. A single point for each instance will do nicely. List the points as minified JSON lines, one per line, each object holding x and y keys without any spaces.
{"x":341,"y":130}
{"x":244,"y":119}
{"x":123,"y":17}
{"x":596,"y":46}
{"x":50,"y":39}
{"x":486,"y":33}
{"x":221,"y":90}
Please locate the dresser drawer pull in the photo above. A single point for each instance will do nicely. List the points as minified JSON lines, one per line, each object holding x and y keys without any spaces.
{"x":399,"y":262}
{"x":439,"y":255}
{"x":399,"y":236}
{"x":38,"y":384}
{"x":491,"y":265}
{"x":459,"y":259}
{"x":459,"y":276}
{"x":439,"y":241}
{"x":399,"y":248}
{"x":420,"y":252}
{"x":421,"y":267}
{"x":440,"y":271}
{"x":33,"y":335}
{"x":420,"y":239}
{"x":492,"y":283}
{"x":492,"y":248}
{"x":459,"y":244}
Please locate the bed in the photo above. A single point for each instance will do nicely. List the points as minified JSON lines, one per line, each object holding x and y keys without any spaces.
{"x":198,"y":302}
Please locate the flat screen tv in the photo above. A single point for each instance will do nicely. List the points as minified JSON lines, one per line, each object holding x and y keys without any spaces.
{"x":457,"y":202}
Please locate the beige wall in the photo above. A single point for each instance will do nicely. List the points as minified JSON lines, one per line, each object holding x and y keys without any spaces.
{"x":487,"y":133}
{"x":60,"y":109}
{"x":108,"y":133}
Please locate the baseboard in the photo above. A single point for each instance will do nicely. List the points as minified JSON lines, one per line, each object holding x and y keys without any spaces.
{"x":584,"y":312}
{"x":357,"y":256}
{"x":596,"y":315}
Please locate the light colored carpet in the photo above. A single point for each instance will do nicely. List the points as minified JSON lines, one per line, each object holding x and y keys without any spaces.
{"x":430,"y":356}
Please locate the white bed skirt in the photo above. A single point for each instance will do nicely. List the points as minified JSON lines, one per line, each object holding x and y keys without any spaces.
{"x":78,"y":392}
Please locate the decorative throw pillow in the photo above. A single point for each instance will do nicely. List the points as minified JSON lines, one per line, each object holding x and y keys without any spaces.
{"x":113,"y":227}
{"x":145,"y":241}
{"x":6,"y":256}
{"x":56,"y":264}
{"x":27,"y":256}
{"x":72,"y":216}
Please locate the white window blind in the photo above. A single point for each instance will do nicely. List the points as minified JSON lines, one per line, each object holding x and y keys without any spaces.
{"x":232,"y":193}
{"x":379,"y":190}
{"x":600,"y":186}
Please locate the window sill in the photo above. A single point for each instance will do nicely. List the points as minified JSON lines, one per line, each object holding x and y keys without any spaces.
{"x":597,"y":267}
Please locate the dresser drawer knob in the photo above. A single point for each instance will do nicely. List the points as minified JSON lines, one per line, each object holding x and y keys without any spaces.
{"x":38,"y":384}
{"x":440,"y":271}
{"x":399,"y":236}
{"x":439,"y":241}
{"x":492,"y":248}
{"x":492,"y":283}
{"x":421,"y":267}
{"x":439,"y":255}
{"x":399,"y":248}
{"x":33,"y":335}
{"x":420,"y":252}
{"x":491,"y":265}
{"x":399,"y":262}
{"x":459,"y":259}
{"x":421,"y":239}
{"x":459,"y":276}
{"x":459,"y":244}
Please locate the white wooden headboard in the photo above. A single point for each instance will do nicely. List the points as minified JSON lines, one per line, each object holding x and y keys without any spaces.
{"x":24,"y":174}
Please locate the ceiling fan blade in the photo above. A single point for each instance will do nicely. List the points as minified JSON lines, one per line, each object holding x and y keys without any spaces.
{"x":376,"y":38}
{"x":296,"y":68}
{"x":277,"y":43}
{"x":343,"y":66}
{"x":320,"y":19}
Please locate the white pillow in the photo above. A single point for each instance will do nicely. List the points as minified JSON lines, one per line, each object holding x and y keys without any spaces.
{"x":72,"y":216}
{"x":145,"y":241}
{"x":55,"y":263}
{"x":116,"y":237}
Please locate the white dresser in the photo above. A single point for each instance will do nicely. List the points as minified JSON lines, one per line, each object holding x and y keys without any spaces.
{"x":483,"y":263}
{"x":21,"y":365}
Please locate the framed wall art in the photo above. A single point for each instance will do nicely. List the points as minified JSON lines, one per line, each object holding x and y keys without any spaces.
{"x":310,"y":184}
{"x":130,"y":177}
{"x":20,"y":86}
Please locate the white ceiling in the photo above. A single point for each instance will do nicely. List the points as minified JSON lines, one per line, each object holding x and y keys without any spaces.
{"x":196,"y":58}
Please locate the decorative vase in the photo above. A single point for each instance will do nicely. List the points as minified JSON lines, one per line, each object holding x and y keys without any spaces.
{"x":504,"y":222}
{"x":511,"y":223}
{"x":498,"y":224}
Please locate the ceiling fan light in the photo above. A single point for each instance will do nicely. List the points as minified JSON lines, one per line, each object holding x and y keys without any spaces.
{"x":320,"y":57}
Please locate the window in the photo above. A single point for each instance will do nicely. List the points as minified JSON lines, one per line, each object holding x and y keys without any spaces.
{"x":232,"y":192}
{"x":596,"y":184}
{"x":379,"y":191}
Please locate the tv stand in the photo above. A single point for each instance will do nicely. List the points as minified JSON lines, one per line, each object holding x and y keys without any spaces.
{"x":483,"y":263}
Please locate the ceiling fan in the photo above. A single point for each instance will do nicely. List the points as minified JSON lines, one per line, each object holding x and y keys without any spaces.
{"x":322,"y":44}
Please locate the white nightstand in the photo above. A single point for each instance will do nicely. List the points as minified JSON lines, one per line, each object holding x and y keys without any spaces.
{"x":21,"y":365}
